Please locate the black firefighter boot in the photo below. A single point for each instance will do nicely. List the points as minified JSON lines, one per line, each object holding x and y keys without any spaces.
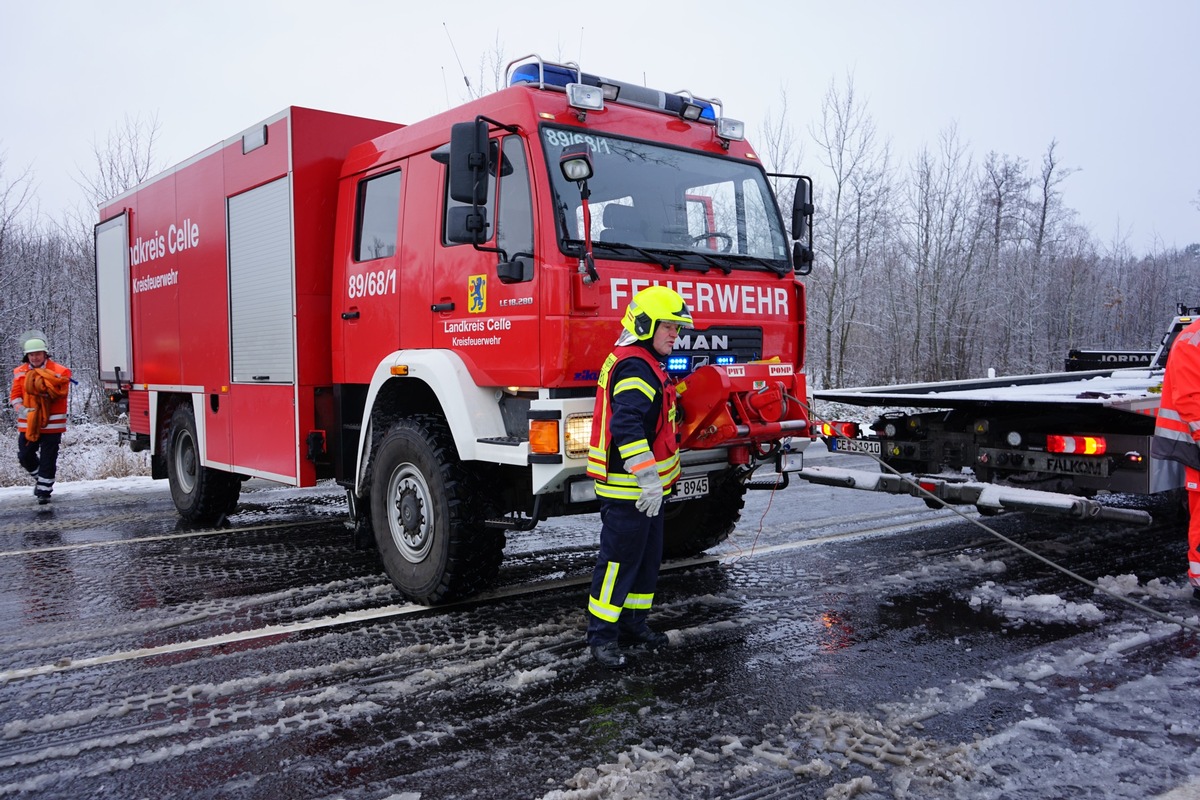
{"x":609,"y":655}
{"x":646,"y":638}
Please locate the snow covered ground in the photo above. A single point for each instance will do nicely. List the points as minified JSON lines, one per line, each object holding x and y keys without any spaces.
{"x":830,"y":657}
{"x":89,"y":451}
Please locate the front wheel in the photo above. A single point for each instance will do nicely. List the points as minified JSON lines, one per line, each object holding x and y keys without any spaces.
{"x":692,"y":526}
{"x":201,"y":494}
{"x":430,"y":538}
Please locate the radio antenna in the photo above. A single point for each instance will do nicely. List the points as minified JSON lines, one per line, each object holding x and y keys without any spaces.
{"x":459,"y":60}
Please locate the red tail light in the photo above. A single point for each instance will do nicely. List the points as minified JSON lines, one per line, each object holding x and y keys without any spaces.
{"x":1079,"y":445}
{"x":846,"y":429}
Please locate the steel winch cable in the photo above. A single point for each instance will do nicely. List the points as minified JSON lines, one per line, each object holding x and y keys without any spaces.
{"x":924,"y":494}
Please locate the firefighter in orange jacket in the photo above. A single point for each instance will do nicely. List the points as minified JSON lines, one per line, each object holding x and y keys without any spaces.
{"x":1177,"y":432}
{"x":39,"y":396}
{"x":634,"y":457}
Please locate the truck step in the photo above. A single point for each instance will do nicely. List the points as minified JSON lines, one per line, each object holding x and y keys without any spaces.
{"x":510,"y":441}
{"x":769,"y":482}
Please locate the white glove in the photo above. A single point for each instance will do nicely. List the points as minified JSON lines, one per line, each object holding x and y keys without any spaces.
{"x":22,"y":411}
{"x":648,"y":481}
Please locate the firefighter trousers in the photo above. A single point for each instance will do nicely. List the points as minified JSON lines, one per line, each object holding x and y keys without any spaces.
{"x":626,"y":571}
{"x":1192,"y":484}
{"x":40,"y":460}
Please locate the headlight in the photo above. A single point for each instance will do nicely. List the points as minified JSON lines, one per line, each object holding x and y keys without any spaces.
{"x":578,"y":435}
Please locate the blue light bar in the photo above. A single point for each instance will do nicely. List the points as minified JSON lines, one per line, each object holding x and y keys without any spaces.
{"x":678,"y":363}
{"x":559,"y":75}
{"x":723,"y":360}
{"x":553,"y":74}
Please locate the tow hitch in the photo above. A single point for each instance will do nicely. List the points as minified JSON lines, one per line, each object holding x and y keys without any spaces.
{"x":753,"y":410}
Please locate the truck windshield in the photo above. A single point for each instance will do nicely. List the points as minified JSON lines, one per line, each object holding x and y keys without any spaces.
{"x":649,"y":199}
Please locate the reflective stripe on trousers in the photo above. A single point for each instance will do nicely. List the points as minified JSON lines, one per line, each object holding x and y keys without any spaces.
{"x":1192,"y":484}
{"x":626,"y":571}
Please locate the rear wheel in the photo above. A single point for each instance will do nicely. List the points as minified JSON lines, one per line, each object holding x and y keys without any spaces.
{"x":426,"y":516}
{"x":201,"y":494}
{"x":692,"y":526}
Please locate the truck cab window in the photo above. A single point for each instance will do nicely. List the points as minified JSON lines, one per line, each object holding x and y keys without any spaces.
{"x":378,"y":217}
{"x":645,"y":195}
{"x":514,"y":224}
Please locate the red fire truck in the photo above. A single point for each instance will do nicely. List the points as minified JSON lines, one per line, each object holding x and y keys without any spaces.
{"x":420,"y":312}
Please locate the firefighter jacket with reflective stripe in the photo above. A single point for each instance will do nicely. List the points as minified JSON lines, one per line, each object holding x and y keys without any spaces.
{"x":634,"y":415}
{"x":43,"y":391}
{"x":1177,"y":429}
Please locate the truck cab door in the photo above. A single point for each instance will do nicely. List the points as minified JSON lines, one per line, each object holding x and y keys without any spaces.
{"x":371,"y":282}
{"x":485,"y":298}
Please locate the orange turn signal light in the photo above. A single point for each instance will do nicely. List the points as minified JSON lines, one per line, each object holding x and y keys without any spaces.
{"x":543,"y":436}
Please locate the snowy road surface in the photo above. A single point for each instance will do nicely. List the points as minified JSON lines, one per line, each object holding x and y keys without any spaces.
{"x":840,"y":645}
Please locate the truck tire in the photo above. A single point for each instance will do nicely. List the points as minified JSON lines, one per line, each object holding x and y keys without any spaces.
{"x":201,"y":494}
{"x":424,"y":511}
{"x":692,"y":526}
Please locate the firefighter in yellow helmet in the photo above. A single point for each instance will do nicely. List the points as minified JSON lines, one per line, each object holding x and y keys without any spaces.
{"x":634,"y":457}
{"x":39,"y":398}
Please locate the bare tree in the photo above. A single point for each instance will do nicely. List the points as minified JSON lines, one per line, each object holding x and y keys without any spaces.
{"x":125,"y":160}
{"x":16,"y":199}
{"x":939,"y":236}
{"x":18,"y":213}
{"x":1003,"y":192}
{"x":852,"y":204}
{"x":780,"y":150}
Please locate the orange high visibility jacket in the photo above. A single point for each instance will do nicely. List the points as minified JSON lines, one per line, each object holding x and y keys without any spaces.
{"x":610,"y":449}
{"x":1177,"y":428}
{"x":44,"y":392}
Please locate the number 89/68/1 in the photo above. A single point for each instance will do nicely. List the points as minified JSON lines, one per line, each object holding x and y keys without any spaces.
{"x":371,"y":284}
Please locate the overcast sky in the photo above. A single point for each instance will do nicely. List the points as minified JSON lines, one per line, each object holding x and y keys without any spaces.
{"x":1114,"y":83}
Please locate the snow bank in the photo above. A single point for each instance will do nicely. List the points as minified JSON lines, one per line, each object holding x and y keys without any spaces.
{"x":89,"y":452}
{"x":1042,"y":608}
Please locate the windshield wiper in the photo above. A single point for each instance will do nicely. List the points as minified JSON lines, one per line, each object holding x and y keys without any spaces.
{"x":679,"y":259}
{"x":780,"y":270}
{"x":647,"y":254}
{"x":676,"y":259}
{"x":684,"y":255}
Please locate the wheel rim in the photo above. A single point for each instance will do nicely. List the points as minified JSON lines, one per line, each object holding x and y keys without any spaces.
{"x":185,"y":461}
{"x":408,"y":513}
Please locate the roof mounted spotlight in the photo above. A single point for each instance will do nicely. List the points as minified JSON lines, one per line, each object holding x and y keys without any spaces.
{"x":576,"y":162}
{"x":691,"y":111}
{"x":585,"y":98}
{"x":732,"y":129}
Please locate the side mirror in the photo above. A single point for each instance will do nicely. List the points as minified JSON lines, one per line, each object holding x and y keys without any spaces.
{"x":519,"y":270}
{"x":469,"y":162}
{"x":466,"y":225}
{"x":802,"y":258}
{"x":802,"y":207}
{"x":802,"y":220}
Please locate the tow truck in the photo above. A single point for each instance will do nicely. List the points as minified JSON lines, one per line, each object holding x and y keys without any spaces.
{"x":1049,"y":443}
